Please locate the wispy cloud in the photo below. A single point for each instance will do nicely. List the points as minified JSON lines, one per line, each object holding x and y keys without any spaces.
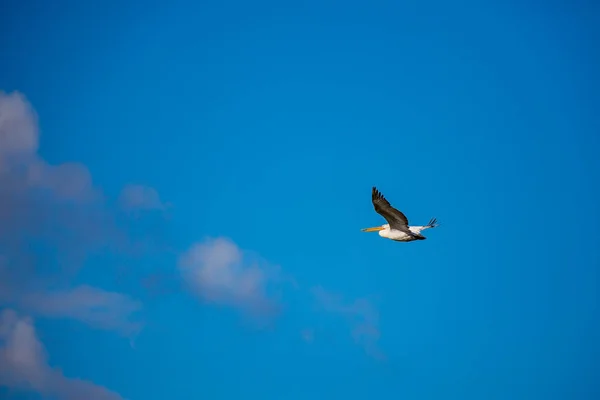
{"x":140,"y":197}
{"x":19,"y":136}
{"x":24,"y":365}
{"x":53,"y":218}
{"x":44,"y":208}
{"x":360,"y":314}
{"x":20,"y":165}
{"x":218,"y":271}
{"x":95,"y":307}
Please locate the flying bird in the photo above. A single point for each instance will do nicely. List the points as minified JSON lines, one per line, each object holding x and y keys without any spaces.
{"x":397,"y":228}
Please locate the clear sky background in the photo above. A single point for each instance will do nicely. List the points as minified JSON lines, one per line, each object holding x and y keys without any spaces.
{"x":203,"y":240}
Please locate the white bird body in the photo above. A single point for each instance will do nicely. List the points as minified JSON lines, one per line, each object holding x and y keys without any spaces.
{"x":398,"y":235}
{"x":397,"y":228}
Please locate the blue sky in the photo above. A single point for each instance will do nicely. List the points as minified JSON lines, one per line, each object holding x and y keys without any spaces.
{"x":220,"y":158}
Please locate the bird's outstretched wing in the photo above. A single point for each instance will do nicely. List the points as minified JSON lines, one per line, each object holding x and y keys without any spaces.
{"x":395,"y":218}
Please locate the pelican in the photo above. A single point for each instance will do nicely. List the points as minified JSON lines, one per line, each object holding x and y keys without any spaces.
{"x":397,"y":228}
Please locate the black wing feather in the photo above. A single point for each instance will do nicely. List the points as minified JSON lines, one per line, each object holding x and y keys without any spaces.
{"x":395,"y":218}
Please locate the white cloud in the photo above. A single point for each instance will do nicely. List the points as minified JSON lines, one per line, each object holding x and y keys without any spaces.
{"x":68,"y":181}
{"x":19,"y":161}
{"x":52,"y":218}
{"x":19,"y":134}
{"x":53,"y":205}
{"x":218,"y":271}
{"x":24,"y":365}
{"x":93,"y":306}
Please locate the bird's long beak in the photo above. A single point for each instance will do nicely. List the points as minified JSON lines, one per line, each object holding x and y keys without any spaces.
{"x":375,"y":229}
